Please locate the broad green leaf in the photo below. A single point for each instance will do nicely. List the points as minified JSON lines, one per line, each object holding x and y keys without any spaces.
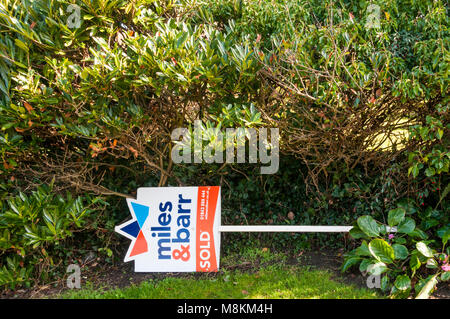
{"x":417,"y":233}
{"x":414,"y":170}
{"x":400,"y":251}
{"x":444,"y":233}
{"x":432,"y":263}
{"x":402,"y":282}
{"x":427,"y":288}
{"x":385,"y":283}
{"x":406,"y":226}
{"x":382,"y":251}
{"x":363,"y":250}
{"x":350,"y":262}
{"x":395,"y":216}
{"x":400,"y":240}
{"x":364,"y":264}
{"x":414,"y":263}
{"x":424,"y":249}
{"x":445,"y":276}
{"x":357,"y":233}
{"x":369,"y":226}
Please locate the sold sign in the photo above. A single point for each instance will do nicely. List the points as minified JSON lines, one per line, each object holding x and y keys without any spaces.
{"x":174,"y":229}
{"x":177,"y":229}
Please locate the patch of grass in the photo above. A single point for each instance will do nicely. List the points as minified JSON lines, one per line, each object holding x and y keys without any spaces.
{"x":254,"y":273}
{"x":271,"y":282}
{"x":255,"y":256}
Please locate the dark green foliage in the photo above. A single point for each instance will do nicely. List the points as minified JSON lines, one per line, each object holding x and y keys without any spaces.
{"x":413,"y":258}
{"x":36,"y":230}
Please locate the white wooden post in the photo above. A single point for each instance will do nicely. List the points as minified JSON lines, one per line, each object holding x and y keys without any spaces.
{"x":285,"y":228}
{"x":290,"y":229}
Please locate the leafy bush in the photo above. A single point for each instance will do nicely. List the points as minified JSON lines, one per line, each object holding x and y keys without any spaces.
{"x":402,"y":252}
{"x":35,"y":232}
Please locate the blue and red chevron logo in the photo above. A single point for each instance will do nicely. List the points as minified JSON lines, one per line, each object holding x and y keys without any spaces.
{"x":132,"y":229}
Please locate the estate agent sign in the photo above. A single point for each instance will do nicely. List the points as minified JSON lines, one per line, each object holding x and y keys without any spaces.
{"x":174,"y":229}
{"x":177,"y":229}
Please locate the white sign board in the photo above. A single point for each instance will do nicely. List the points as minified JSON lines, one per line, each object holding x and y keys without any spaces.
{"x":174,"y":229}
